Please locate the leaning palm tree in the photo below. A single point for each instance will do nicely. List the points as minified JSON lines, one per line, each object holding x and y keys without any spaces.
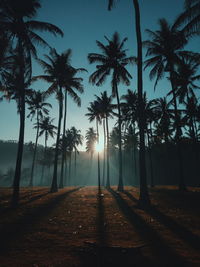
{"x":48,"y":130}
{"x":95,"y":114}
{"x":106,"y":108}
{"x":37,"y":107}
{"x":144,"y":196}
{"x":61,"y":75}
{"x":112,"y":61}
{"x":164,"y":49}
{"x":16,"y":21}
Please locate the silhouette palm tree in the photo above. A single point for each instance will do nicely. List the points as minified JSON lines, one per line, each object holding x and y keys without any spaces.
{"x":164,"y":49}
{"x":48,"y":130}
{"x":186,"y":75}
{"x":77,"y":141}
{"x":38,"y":108}
{"x":91,"y":138}
{"x":129,"y":115}
{"x":95,"y":114}
{"x":112,"y":61}
{"x":106,"y":107}
{"x":130,"y":145}
{"x":16,"y":21}
{"x":61,"y":75}
{"x":144,"y":196}
{"x":190,"y":18}
{"x":164,"y":116}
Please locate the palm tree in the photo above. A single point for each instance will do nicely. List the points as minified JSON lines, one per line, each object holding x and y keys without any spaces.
{"x":186,"y":75}
{"x":130,"y":145}
{"x":95,"y":114}
{"x":77,"y":140}
{"x":164,"y":116}
{"x":144,"y":196}
{"x":16,"y":21}
{"x":190,"y":18}
{"x":112,"y":61}
{"x":61,"y":75}
{"x":49,"y":130}
{"x":105,"y":104}
{"x":91,"y":138}
{"x":165,"y":49}
{"x":37,"y":108}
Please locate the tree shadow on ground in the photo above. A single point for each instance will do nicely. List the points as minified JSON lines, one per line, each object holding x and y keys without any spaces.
{"x":18,"y":228}
{"x":101,"y":254}
{"x":178,"y":229}
{"x":164,"y":255}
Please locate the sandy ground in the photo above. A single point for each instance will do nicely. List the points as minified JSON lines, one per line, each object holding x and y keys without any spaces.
{"x":81,"y":227}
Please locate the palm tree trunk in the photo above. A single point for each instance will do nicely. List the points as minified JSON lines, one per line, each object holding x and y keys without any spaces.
{"x":75,"y":163}
{"x":98,"y":159}
{"x":70,"y":165}
{"x":43,"y":167}
{"x":61,"y":185}
{"x":150,"y":159}
{"x":144,"y":195}
{"x":65,"y":172}
{"x":120,"y":184}
{"x":54,"y":186}
{"x":134,"y":148}
{"x":16,"y":182}
{"x":108,"y":155}
{"x":182,"y":186}
{"x":104,"y":153}
{"x":34,"y":153}
{"x":17,"y":176}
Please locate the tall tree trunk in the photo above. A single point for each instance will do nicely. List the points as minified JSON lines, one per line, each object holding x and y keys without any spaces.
{"x":17,"y":176}
{"x":120,"y":184}
{"x":65,"y":183}
{"x":108,"y":155}
{"x":61,"y":185}
{"x":182,"y":186}
{"x":104,"y":153}
{"x":54,"y":185}
{"x":144,"y":195}
{"x":43,"y":167}
{"x":134,"y":148}
{"x":150,"y":159}
{"x":35,"y":151}
{"x":98,"y":159}
{"x":75,"y":154}
{"x":70,"y":165}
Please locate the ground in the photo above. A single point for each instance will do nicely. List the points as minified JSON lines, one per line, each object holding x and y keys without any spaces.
{"x":79,"y":226}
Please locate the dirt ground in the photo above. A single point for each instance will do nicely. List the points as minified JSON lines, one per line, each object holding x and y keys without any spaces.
{"x":78,"y":226}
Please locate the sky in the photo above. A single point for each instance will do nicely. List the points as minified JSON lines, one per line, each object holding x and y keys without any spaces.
{"x":83,"y":22}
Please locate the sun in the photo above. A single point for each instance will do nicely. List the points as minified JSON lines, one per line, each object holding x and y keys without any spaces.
{"x":99,"y":146}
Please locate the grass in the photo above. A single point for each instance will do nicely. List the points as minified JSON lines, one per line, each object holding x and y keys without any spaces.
{"x":81,"y":227}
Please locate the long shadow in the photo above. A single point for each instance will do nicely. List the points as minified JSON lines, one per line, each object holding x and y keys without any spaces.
{"x":178,"y":229}
{"x":4,"y":210}
{"x":102,"y":238}
{"x":101,"y":254}
{"x":163,"y":254}
{"x":26,"y":222}
{"x":94,"y":253}
{"x":22,"y":194}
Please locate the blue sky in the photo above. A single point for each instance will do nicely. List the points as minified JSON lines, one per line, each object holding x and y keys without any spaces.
{"x":83,"y":22}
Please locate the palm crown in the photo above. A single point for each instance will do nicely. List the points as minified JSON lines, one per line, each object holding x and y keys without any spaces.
{"x":113,"y":59}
